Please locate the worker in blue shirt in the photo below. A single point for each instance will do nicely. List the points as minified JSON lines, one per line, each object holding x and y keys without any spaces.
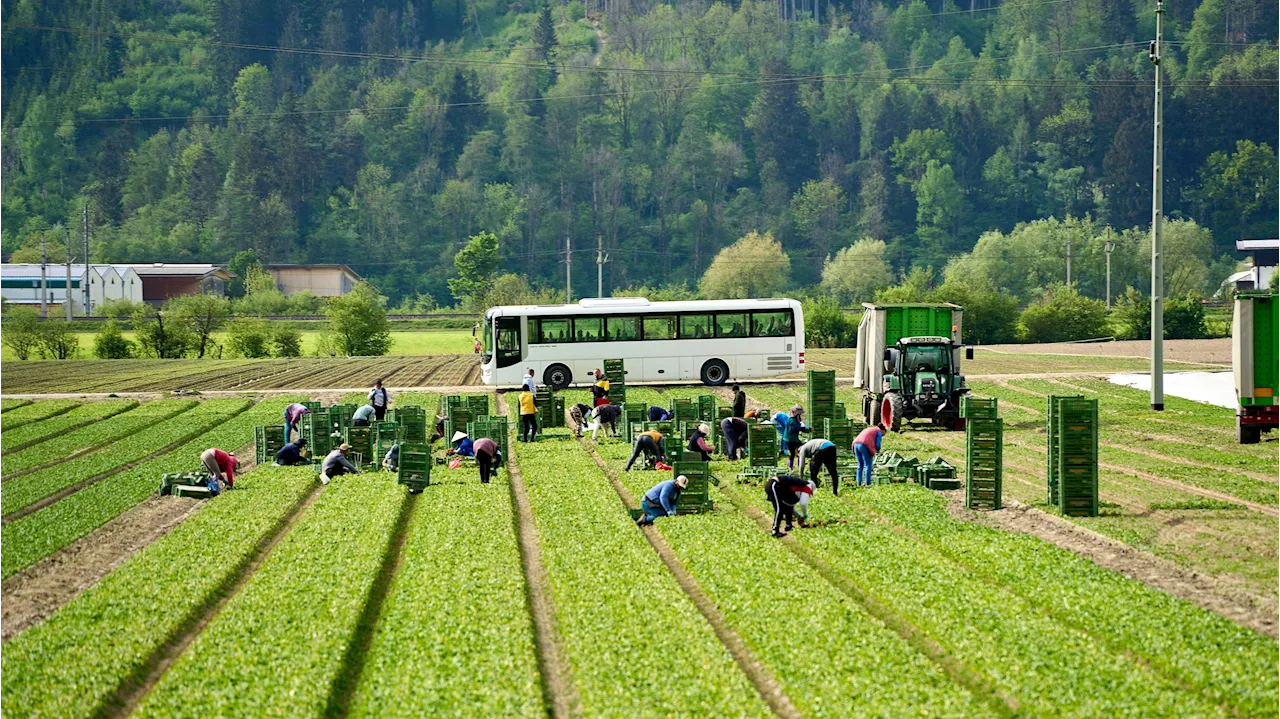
{"x":659,"y":414}
{"x":462,"y":445}
{"x":291,"y":454}
{"x":661,"y":500}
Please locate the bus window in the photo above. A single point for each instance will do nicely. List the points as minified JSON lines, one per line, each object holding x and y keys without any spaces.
{"x":731,"y":325}
{"x":486,"y":342}
{"x":695,"y":326}
{"x":508,"y":341}
{"x":554,"y":331}
{"x":587,"y":329}
{"x":624,"y":328}
{"x":771,"y":324}
{"x":660,"y":327}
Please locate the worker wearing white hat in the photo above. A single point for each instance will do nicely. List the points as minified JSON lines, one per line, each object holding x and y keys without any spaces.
{"x":698,"y":442}
{"x":462,"y":445}
{"x":661,"y":500}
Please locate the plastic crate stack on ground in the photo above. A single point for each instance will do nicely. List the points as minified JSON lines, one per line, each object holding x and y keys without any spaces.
{"x":385,"y":434}
{"x":821,"y":400}
{"x":492,"y":427}
{"x":267,"y":440}
{"x":634,"y":414}
{"x":412,"y":422}
{"x":707,"y":408}
{"x":683,"y":409}
{"x":316,"y":429}
{"x":414,"y":470}
{"x":616,"y":373}
{"x":1075,"y":454}
{"x":361,"y":441}
{"x":984,"y":454}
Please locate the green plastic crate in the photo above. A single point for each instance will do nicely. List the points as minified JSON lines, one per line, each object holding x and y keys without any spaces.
{"x":697,"y":496}
{"x":1051,"y":460}
{"x":762,"y":445}
{"x":984,"y":459}
{"x":972,"y":407}
{"x":1076,"y":450}
{"x":267,"y":440}
{"x":707,"y":408}
{"x":361,"y":441}
{"x":414,"y":470}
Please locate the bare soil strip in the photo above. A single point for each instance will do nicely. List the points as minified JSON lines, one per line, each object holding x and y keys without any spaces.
{"x":133,"y":690}
{"x":344,"y":687}
{"x":956,"y":670}
{"x":1199,"y":589}
{"x":767,"y":684}
{"x":557,"y":681}
{"x":46,"y":586}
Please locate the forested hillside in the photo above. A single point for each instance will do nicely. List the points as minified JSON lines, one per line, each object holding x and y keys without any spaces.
{"x":384,"y":133}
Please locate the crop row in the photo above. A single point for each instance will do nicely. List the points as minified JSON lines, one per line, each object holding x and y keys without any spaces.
{"x":278,"y":646}
{"x":830,"y":655}
{"x":8,"y":404}
{"x":37,"y":411}
{"x":28,"y":489}
{"x":635,"y":643}
{"x":1002,"y":637}
{"x":58,"y":525}
{"x":13,"y":440}
{"x":1198,"y":648}
{"x":71,"y":664}
{"x":95,"y":435}
{"x":454,"y":638}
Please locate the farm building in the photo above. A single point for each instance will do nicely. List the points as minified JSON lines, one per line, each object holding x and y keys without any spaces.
{"x":20,"y":284}
{"x":163,"y":280}
{"x":320,"y":280}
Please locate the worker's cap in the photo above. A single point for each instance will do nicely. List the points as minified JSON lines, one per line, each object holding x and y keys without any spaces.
{"x":302,"y":441}
{"x":682,"y":481}
{"x":703,"y":428}
{"x":797,"y":410}
{"x":344,"y":447}
{"x":235,"y":459}
{"x":458,"y":435}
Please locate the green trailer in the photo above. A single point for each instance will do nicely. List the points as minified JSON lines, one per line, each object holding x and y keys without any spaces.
{"x":1255,"y":332}
{"x":908,"y":364}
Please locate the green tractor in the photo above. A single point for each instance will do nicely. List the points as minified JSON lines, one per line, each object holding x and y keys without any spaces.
{"x":908,"y":364}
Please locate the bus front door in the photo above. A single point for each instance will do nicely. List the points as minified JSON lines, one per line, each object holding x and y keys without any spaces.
{"x":508,"y":341}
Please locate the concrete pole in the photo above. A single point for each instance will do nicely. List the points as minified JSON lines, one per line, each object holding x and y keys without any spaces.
{"x":67,"y":302}
{"x":1157,"y":219}
{"x":44,"y":279}
{"x":568,"y":271}
{"x":599,"y":266}
{"x":1068,"y":256}
{"x":1109,"y":246}
{"x":85,"y":223}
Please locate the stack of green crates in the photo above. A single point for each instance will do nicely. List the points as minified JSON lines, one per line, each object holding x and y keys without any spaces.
{"x":312,"y":406}
{"x":822,"y":397}
{"x":1051,"y":465}
{"x":479,"y":405}
{"x":267,"y":441}
{"x":984,"y":460}
{"x":340,"y":416}
{"x":971,"y":406}
{"x":839,"y":411}
{"x":361,"y":441}
{"x":385,"y":434}
{"x":897,"y":466}
{"x":936,"y":473}
{"x":633,"y":414}
{"x":684,"y":410}
{"x":1076,"y":451}
{"x":762,"y":445}
{"x":315,"y":429}
{"x":839,"y":432}
{"x":414,"y":469}
{"x":550,"y":412}
{"x":707,"y":408}
{"x":412,"y":422}
{"x":697,"y":496}
{"x":458,"y":418}
{"x":688,"y":428}
{"x":615,"y":371}
{"x":495,"y":428}
{"x":723,"y":412}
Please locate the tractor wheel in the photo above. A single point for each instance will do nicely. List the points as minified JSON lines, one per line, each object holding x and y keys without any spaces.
{"x":873,"y":411}
{"x":891,"y":410}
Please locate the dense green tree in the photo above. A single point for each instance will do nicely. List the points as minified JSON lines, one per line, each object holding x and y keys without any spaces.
{"x":1062,"y":315}
{"x":358,"y":324}
{"x":474,"y":265}
{"x":754,"y":266}
{"x":857,"y":272}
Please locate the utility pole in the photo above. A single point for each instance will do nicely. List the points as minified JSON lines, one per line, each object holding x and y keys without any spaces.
{"x":1068,"y":256}
{"x":1109,"y":246}
{"x":85,"y":224}
{"x":1157,"y":218}
{"x":568,"y":271}
{"x":44,"y":280}
{"x":67,"y":302}
{"x":601,"y":258}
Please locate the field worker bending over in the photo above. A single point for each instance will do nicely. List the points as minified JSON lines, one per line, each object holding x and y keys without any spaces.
{"x":336,"y":464}
{"x":578,"y":417}
{"x":462,"y":445}
{"x":698,"y":442}
{"x":292,"y":414}
{"x":391,"y":461}
{"x":605,"y":415}
{"x":650,"y":443}
{"x":221,"y":465}
{"x":661,"y":500}
{"x":819,"y":453}
{"x":865,"y":448}
{"x":380,"y":398}
{"x":528,"y":417}
{"x":784,"y":492}
{"x":734,"y":430}
{"x":291,"y":454}
{"x":659,"y":414}
{"x":488,"y":457}
{"x":363,"y":416}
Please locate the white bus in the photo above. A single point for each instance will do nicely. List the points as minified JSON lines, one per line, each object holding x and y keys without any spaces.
{"x":709,"y":340}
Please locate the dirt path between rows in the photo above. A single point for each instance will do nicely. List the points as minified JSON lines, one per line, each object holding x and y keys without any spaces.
{"x":553,"y":663}
{"x":1199,"y":589}
{"x":46,"y":586}
{"x":763,"y":679}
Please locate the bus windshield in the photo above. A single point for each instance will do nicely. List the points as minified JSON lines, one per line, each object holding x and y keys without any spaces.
{"x":486,"y":342}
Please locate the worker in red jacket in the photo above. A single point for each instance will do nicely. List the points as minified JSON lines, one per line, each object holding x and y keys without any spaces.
{"x":221,"y":465}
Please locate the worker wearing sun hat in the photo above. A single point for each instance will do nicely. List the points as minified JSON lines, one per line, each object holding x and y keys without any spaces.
{"x":336,"y":464}
{"x":661,"y":500}
{"x":462,"y":445}
{"x":698,"y":442}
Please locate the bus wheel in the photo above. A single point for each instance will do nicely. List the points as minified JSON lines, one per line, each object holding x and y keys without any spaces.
{"x":714,"y":373}
{"x":557,"y":376}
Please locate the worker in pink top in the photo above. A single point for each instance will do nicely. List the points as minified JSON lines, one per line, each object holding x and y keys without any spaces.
{"x":220,"y":465}
{"x":865,"y":448}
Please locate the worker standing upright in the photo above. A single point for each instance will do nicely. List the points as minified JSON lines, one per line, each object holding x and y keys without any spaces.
{"x":221,"y":466}
{"x":791,"y":433}
{"x":292,"y":414}
{"x":600,"y":390}
{"x":488,"y":457}
{"x":647,"y":443}
{"x":661,"y":501}
{"x":380,"y":398}
{"x":734,"y":430}
{"x":819,"y":453}
{"x":530,"y":383}
{"x":865,"y":448}
{"x":739,"y":402}
{"x":528,"y":417}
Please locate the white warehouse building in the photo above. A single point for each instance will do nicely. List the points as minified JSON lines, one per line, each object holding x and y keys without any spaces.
{"x":20,"y":284}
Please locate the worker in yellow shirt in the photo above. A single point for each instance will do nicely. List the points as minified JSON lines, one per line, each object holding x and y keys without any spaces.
{"x":528,"y":416}
{"x":601,"y":389}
